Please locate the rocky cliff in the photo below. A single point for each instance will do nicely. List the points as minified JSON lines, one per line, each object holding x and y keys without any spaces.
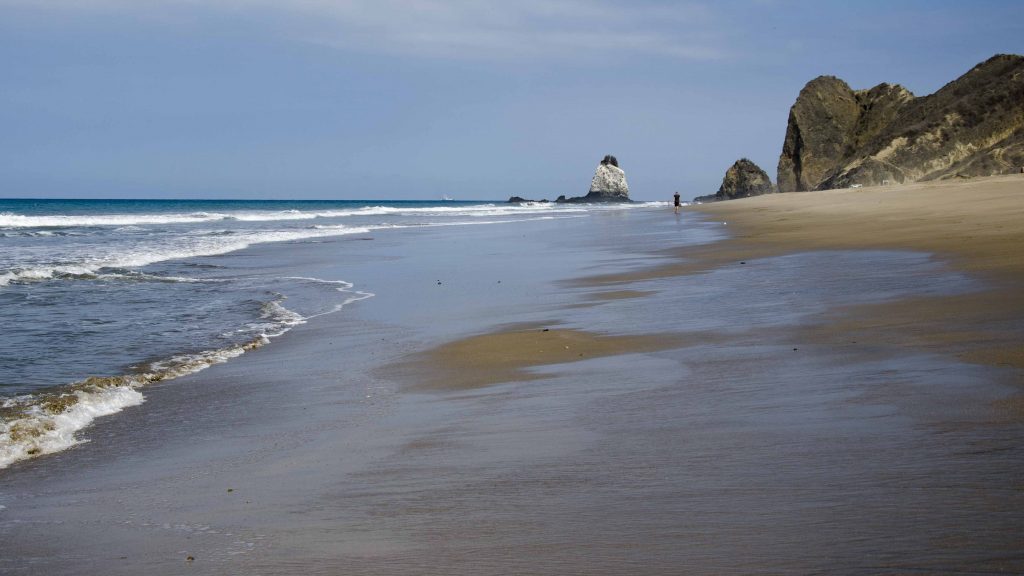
{"x":973,"y":126}
{"x":742,"y":179}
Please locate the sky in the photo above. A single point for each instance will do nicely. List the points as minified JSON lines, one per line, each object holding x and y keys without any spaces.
{"x":419,"y":99}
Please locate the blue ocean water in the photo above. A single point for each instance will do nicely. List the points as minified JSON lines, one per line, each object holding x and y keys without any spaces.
{"x":100,"y":297}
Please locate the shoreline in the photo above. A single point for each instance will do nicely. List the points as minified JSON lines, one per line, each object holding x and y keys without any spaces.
{"x":706,"y":406}
{"x":977,"y":225}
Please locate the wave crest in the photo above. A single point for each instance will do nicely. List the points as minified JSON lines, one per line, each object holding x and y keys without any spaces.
{"x":46,"y":422}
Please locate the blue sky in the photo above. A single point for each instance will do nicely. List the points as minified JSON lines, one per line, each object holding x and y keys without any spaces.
{"x":372,"y":99}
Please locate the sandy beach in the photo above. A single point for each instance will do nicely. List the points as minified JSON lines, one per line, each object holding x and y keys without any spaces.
{"x":978,"y":225}
{"x":975,"y":225}
{"x":800,"y":383}
{"x":383,"y":288}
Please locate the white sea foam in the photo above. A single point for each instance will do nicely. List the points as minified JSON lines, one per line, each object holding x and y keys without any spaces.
{"x":44,"y":423}
{"x":48,"y":422}
{"x":11,"y":220}
{"x":36,"y":424}
{"x":340,"y":286}
{"x":214,"y":243}
{"x":40,"y":430}
{"x":275,"y":320}
{"x":91,"y":260}
{"x":184,"y":247}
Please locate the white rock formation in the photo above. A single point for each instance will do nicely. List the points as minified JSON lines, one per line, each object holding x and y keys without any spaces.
{"x":609,"y":181}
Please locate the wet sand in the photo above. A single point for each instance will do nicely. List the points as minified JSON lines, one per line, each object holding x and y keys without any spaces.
{"x":773,"y":403}
{"x":978,"y":225}
{"x":503,"y":356}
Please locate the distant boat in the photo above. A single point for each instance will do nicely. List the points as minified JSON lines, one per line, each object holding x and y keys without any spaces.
{"x":447,"y":198}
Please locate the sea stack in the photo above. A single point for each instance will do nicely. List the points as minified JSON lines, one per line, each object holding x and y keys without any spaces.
{"x":609,"y":181}
{"x":742,"y":179}
{"x":608,"y":185}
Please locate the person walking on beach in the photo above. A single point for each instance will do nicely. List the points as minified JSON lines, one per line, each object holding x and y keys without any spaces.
{"x":678,"y":205}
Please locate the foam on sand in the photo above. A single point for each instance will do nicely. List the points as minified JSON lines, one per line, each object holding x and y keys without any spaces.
{"x":47,"y":422}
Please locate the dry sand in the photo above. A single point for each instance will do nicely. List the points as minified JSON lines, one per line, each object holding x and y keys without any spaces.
{"x":980,"y":222}
{"x":977,"y":224}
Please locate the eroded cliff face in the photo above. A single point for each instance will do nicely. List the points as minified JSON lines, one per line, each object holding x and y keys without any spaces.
{"x":742,"y":179}
{"x":973,"y":126}
{"x":820,"y":124}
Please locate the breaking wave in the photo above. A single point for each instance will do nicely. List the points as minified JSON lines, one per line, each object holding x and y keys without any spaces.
{"x":189,"y":247}
{"x":111,"y":245}
{"x":9,"y":220}
{"x":48,"y":421}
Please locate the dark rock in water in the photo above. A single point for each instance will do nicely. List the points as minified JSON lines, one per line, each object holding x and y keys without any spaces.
{"x":592,"y":198}
{"x":521,"y":200}
{"x":706,"y":198}
{"x":608,"y":185}
{"x":742,"y":179}
{"x":838,"y":137}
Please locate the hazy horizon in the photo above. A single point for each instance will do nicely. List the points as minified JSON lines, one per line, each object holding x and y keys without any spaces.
{"x":252,"y":99}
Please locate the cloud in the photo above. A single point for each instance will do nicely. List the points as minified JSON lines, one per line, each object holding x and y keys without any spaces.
{"x":470,"y":29}
{"x":511,"y":30}
{"x":496,"y":29}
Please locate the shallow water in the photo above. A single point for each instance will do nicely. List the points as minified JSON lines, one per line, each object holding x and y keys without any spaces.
{"x":737,"y":455}
{"x":101,"y":297}
{"x":98,"y":287}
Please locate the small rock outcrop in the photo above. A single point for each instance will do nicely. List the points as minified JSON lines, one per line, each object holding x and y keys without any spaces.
{"x":838,"y":137}
{"x":742,"y":179}
{"x":521,"y":200}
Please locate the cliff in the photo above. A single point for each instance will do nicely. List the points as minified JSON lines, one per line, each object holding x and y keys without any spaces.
{"x":973,"y":126}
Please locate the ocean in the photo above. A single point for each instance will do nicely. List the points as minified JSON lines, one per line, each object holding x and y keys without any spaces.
{"x":99,"y":298}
